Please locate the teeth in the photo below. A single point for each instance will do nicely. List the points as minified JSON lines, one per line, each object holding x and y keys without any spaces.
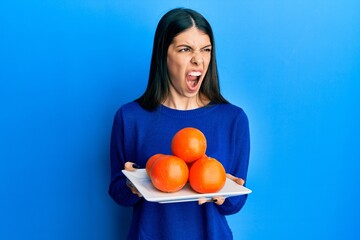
{"x":195,"y":74}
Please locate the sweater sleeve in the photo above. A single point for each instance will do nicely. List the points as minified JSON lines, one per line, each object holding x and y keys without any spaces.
{"x":118,"y":189}
{"x":239,"y":167}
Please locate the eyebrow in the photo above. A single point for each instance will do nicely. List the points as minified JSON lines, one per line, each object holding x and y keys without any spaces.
{"x":188,"y":46}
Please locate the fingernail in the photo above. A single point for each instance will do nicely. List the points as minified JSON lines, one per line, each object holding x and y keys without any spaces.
{"x":135,"y":165}
{"x":201,"y":201}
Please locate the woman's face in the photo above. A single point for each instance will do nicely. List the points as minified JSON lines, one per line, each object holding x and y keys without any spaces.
{"x":188,"y":60}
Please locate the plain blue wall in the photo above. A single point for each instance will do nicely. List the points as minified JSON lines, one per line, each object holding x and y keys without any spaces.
{"x":66,"y":66}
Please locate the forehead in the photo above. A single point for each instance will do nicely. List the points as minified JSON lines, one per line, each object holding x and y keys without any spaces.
{"x":192,"y":36}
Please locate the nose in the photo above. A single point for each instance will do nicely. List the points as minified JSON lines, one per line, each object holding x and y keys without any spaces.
{"x":197,"y":58}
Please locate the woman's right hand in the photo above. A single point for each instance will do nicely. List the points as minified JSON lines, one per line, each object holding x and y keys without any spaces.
{"x":129,"y":166}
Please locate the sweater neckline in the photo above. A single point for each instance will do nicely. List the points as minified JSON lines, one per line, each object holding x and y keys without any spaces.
{"x":186,"y":113}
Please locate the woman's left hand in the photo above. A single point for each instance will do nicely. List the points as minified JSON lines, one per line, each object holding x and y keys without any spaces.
{"x":219,"y":200}
{"x":239,"y":181}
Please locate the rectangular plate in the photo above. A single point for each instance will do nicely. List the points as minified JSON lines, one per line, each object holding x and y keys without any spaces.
{"x":143,"y":183}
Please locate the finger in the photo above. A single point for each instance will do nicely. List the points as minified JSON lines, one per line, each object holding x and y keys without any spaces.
{"x":130,"y":166}
{"x":201,"y":201}
{"x":135,"y":191}
{"x":133,"y":188}
{"x":218,"y":200}
{"x":129,"y":183}
{"x":239,"y":181}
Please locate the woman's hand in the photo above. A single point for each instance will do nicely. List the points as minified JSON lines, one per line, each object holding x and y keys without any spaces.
{"x":129,"y":166}
{"x":220,"y":200}
{"x":239,"y":181}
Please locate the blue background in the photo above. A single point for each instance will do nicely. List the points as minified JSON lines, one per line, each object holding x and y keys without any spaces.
{"x":66,"y":66}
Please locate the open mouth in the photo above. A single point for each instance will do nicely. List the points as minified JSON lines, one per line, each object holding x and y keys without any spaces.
{"x":192,"y":80}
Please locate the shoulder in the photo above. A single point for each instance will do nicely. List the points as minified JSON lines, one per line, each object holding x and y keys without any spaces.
{"x":231,"y":110}
{"x":129,"y":109}
{"x":134,"y":112}
{"x":130,"y":106}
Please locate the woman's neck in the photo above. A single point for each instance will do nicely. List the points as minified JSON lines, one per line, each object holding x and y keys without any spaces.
{"x":185,"y":103}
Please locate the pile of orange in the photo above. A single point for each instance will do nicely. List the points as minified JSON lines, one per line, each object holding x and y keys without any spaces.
{"x":189,"y":162}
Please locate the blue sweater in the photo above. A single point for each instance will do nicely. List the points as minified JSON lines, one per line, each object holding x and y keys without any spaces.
{"x":137,"y":134}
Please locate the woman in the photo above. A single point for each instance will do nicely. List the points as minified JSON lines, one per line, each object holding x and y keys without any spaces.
{"x":183,"y":91}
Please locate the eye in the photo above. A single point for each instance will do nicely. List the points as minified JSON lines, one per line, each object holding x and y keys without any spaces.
{"x":207,"y":50}
{"x":185,"y":49}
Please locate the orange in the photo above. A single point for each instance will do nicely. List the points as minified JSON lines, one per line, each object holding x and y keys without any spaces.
{"x":169,"y":173}
{"x":189,"y":144}
{"x":207,"y":175}
{"x":150,"y":162}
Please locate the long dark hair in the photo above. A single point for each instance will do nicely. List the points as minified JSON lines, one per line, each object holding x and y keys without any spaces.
{"x":170,"y":25}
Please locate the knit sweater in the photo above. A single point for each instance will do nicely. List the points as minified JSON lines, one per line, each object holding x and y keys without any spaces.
{"x":138,"y":134}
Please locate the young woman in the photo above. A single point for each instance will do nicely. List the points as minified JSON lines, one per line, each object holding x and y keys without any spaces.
{"x":183,"y":91}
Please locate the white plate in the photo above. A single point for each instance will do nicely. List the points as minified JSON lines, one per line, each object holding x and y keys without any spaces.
{"x":143,"y":183}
